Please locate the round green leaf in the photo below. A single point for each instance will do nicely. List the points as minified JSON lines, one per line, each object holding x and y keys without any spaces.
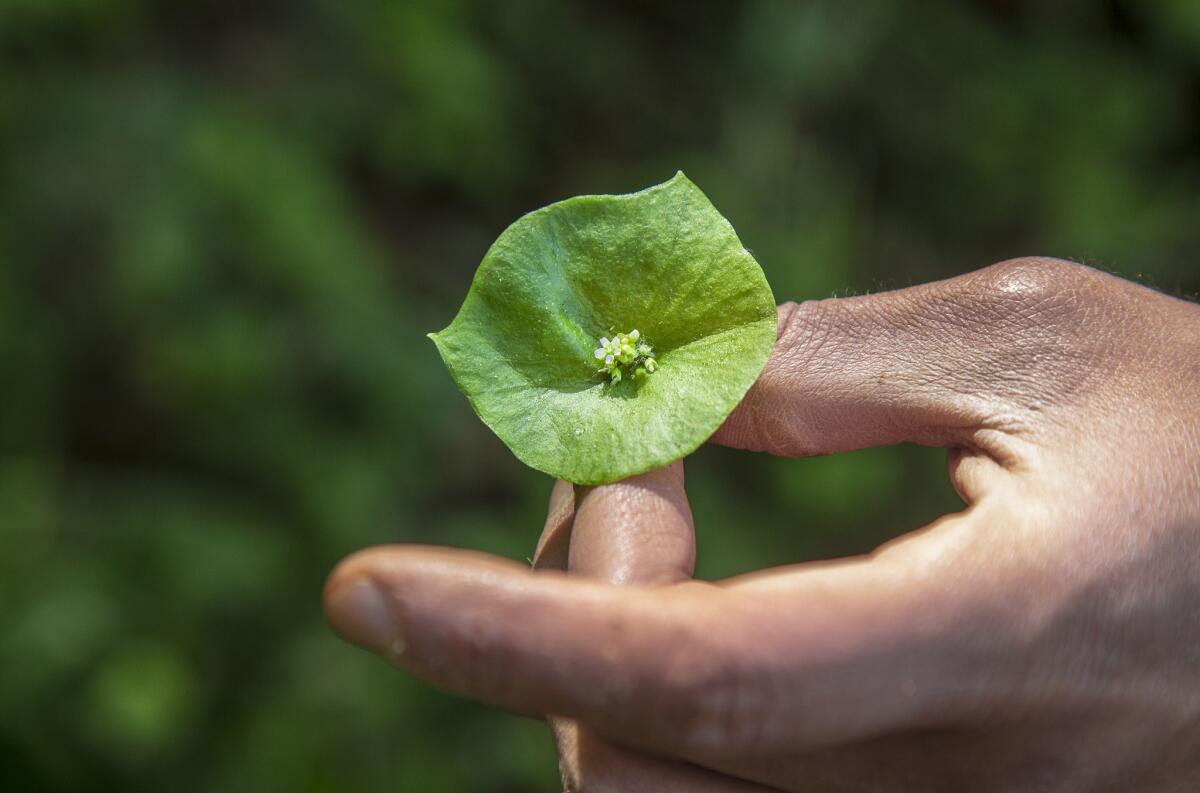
{"x":662,"y":261}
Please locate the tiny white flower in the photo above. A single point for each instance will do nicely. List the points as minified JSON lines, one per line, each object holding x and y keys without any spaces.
{"x":623,"y":355}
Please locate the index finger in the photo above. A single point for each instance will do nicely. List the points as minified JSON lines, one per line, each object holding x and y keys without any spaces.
{"x":950,"y":363}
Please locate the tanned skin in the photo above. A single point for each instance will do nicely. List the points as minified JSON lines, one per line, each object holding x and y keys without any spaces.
{"x":1045,"y":639}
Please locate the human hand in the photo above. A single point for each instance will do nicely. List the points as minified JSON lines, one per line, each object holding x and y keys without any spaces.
{"x":1046,"y":638}
{"x":635,"y":532}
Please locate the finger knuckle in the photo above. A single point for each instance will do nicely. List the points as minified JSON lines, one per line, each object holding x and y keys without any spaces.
{"x":1038,"y":271}
{"x":1037,"y":292}
{"x":1035,"y":327}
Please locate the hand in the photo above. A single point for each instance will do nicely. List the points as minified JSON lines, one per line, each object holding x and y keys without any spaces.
{"x":1047,"y":638}
{"x":636,"y":532}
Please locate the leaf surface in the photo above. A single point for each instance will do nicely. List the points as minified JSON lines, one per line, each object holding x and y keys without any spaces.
{"x":661,"y":260}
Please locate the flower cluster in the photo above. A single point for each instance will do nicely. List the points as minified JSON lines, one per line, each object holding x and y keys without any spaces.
{"x":623,"y":354}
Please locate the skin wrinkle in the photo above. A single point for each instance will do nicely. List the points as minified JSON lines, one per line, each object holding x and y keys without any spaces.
{"x":1043,"y":639}
{"x":1017,"y":366}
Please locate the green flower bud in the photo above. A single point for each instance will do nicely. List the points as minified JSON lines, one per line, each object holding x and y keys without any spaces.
{"x":625,"y":353}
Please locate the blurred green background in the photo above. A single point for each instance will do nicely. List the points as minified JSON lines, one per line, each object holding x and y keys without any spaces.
{"x":225,"y":228}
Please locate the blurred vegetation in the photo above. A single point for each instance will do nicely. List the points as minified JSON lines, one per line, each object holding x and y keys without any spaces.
{"x":225,"y":228}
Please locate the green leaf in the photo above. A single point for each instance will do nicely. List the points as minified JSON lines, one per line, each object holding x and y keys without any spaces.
{"x":662,"y":261}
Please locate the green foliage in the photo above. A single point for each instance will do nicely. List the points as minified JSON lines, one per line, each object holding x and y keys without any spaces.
{"x":224,"y":227}
{"x":559,"y":281}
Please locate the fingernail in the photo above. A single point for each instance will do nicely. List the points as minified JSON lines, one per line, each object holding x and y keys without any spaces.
{"x":360,"y":613}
